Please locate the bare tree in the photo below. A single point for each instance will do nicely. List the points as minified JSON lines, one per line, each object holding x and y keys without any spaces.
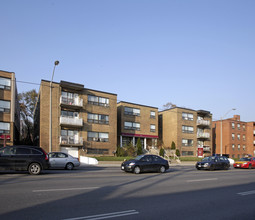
{"x":168,"y":105}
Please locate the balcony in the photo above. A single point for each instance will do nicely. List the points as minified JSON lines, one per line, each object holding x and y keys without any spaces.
{"x":206,"y":149}
{"x":71,"y":121}
{"x":71,"y":141}
{"x":203,"y":135}
{"x":76,"y":102}
{"x":203,"y":123}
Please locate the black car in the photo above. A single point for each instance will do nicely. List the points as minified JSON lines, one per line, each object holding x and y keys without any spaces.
{"x":30,"y":158}
{"x":213,"y":163}
{"x":145,"y":163}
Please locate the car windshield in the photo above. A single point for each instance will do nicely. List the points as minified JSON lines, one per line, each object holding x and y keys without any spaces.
{"x":245,"y":159}
{"x":139,"y":157}
{"x":208,"y":158}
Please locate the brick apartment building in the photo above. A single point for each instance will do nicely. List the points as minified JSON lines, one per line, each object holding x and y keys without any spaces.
{"x":9,"y":109}
{"x":84,"y":121}
{"x":189,"y":129}
{"x":238,"y":137}
{"x":137,"y":121}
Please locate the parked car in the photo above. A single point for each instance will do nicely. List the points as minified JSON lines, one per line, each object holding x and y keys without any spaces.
{"x":231,"y":161}
{"x":63,"y":160}
{"x":145,"y":163}
{"x":245,"y":162}
{"x":30,"y":158}
{"x":213,"y":163}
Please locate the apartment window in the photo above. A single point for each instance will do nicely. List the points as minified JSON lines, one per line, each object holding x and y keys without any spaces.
{"x":244,"y":147}
{"x":4,"y":128}
{"x":97,"y":151}
{"x":233,"y":146}
{"x":187,"y":116}
{"x":69,"y":114}
{"x":5,"y":83}
{"x":132,"y":111}
{"x":187,"y":142}
{"x":244,"y":137}
{"x":153,"y":114}
{"x":233,"y":125}
{"x":238,"y":136}
{"x":187,"y":129}
{"x":68,"y":97}
{"x":244,"y":127}
{"x":132,"y":125}
{"x":5,"y":106}
{"x":153,"y":128}
{"x":238,"y":146}
{"x":187,"y":153}
{"x":238,"y":126}
{"x":96,"y":100}
{"x":98,"y":118}
{"x":98,"y":136}
{"x":233,"y":155}
{"x":233,"y":136}
{"x":69,"y":137}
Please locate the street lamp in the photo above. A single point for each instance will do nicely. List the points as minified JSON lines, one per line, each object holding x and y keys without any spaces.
{"x":50,"y":127}
{"x":233,"y":109}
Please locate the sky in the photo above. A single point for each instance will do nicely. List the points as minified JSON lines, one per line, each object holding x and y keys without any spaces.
{"x":197,"y":54}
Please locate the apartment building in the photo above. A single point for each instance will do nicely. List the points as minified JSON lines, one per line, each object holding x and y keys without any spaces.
{"x":233,"y":137}
{"x":9,"y":109}
{"x":137,"y":121}
{"x":189,"y":129}
{"x":83,"y":122}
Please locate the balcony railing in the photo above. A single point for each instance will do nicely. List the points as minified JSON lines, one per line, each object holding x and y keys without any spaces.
{"x":71,"y":121}
{"x":207,"y":148}
{"x":203,"y":122}
{"x":71,"y":101}
{"x":203,"y":135}
{"x":70,"y":140}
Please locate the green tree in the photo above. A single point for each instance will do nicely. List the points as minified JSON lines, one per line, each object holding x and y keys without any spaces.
{"x":139,"y":147}
{"x":162,"y":152}
{"x":178,"y":153}
{"x":173,"y":147}
{"x":27,"y":103}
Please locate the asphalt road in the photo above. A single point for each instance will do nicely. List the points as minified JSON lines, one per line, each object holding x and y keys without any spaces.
{"x":108,"y":193}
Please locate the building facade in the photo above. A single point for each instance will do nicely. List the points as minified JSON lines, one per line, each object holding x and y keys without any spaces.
{"x":83,"y":122}
{"x":233,"y":137}
{"x":189,"y":129}
{"x":9,"y":110}
{"x":137,"y":121}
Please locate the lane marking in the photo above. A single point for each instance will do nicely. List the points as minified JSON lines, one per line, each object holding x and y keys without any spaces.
{"x":68,"y":189}
{"x":246,"y":193}
{"x":200,"y":180}
{"x":106,"y":215}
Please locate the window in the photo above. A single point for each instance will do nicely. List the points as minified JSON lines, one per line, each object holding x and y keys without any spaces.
{"x":233,"y":146}
{"x":153,"y":128}
{"x":5,"y":106}
{"x":98,"y":136}
{"x":97,"y":151}
{"x":238,"y":136}
{"x":95,"y":100}
{"x":187,"y":153}
{"x":244,"y":137}
{"x":233,"y":125}
{"x":187,"y":116}
{"x":69,"y":137}
{"x":238,"y":146}
{"x":132,"y":111}
{"x":69,"y":114}
{"x":153,"y":114}
{"x":187,"y":129}
{"x":187,"y":142}
{"x":238,"y":126}
{"x":69,"y":98}
{"x":233,"y":136}
{"x":243,"y":147}
{"x":132,"y":125}
{"x":4,"y":128}
{"x":244,"y":127}
{"x":98,"y":119}
{"x":5,"y":83}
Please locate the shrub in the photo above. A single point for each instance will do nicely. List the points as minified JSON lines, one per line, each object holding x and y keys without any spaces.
{"x":161,"y":152}
{"x":173,"y":147}
{"x":139,"y":147}
{"x":177,"y":153}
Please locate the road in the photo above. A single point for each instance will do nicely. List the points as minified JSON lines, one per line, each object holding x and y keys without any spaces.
{"x":108,"y":193}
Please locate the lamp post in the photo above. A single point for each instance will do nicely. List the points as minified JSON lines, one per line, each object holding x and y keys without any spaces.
{"x":233,"y":109}
{"x":50,"y":127}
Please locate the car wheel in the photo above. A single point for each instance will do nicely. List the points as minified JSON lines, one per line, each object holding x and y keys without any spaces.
{"x":69,"y":166}
{"x":162,"y":169}
{"x":137,"y":170}
{"x":250,"y":166}
{"x":34,"y":168}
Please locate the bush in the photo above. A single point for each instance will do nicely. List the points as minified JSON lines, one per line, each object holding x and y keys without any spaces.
{"x":161,"y":152}
{"x":139,"y":147}
{"x":173,"y":147}
{"x":177,"y":153}
{"x":125,"y":151}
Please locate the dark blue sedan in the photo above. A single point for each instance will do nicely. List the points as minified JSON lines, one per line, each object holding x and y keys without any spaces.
{"x":145,"y":163}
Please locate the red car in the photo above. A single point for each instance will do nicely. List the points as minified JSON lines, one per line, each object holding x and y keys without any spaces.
{"x":245,"y":162}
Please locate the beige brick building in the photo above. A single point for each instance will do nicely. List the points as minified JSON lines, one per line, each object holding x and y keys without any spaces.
{"x":137,"y":121}
{"x":84,"y":121}
{"x":189,"y":129}
{"x":238,"y":137}
{"x":9,"y":109}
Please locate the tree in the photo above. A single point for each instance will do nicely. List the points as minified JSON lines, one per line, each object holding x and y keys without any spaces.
{"x":27,"y":102}
{"x":139,"y":147}
{"x":162,"y":152}
{"x":168,"y":105}
{"x":178,"y":153}
{"x":173,"y":147}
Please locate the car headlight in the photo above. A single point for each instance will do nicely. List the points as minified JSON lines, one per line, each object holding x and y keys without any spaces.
{"x":245,"y":163}
{"x":131,"y":164}
{"x":206,"y":164}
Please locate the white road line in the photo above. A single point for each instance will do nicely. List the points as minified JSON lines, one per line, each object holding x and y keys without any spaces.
{"x":68,"y":189}
{"x":106,"y":215}
{"x":200,"y":180}
{"x":246,"y":193}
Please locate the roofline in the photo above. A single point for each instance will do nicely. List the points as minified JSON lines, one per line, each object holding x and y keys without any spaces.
{"x":189,"y":109}
{"x":136,"y":104}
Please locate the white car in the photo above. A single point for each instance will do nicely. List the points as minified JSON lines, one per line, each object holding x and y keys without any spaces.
{"x":231,"y":161}
{"x":63,"y":160}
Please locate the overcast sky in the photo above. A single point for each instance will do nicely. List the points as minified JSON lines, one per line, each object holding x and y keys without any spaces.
{"x":197,"y":54}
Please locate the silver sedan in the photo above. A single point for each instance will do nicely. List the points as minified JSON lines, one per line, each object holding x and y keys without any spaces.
{"x":63,"y":160}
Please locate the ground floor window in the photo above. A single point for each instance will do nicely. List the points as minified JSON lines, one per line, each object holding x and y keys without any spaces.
{"x":97,"y":151}
{"x":187,"y":153}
